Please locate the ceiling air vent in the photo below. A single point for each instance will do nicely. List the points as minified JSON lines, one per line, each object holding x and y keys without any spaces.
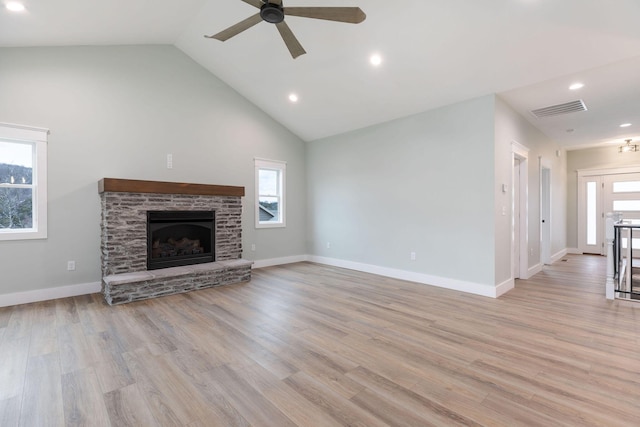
{"x":556,"y":110}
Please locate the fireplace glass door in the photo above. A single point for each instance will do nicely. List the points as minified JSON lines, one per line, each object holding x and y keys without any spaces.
{"x":177,"y":238}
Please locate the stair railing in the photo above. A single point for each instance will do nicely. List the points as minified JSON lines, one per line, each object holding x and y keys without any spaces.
{"x":619,"y":259}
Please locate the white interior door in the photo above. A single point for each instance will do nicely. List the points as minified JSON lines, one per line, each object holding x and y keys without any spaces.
{"x":545,"y":215}
{"x":519,"y":209}
{"x":516,"y":218}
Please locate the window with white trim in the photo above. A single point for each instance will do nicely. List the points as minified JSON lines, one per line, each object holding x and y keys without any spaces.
{"x":270,"y":193}
{"x":23,"y":182}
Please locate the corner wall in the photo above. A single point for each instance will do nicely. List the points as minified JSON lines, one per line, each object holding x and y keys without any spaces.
{"x":420,"y":184}
{"x":509,"y":127}
{"x":117,"y":111}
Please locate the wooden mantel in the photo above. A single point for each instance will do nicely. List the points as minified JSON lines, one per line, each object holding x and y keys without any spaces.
{"x":137,"y":186}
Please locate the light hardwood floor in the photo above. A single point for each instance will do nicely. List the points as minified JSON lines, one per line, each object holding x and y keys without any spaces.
{"x":310,"y":345}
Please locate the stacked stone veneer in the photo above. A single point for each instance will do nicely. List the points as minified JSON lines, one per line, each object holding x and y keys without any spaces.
{"x":124,"y":246}
{"x":141,"y":285}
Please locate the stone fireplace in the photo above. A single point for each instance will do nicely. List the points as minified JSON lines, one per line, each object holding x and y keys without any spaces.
{"x":178,"y":213}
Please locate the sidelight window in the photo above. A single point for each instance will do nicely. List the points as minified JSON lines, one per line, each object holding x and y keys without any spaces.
{"x":592,"y":213}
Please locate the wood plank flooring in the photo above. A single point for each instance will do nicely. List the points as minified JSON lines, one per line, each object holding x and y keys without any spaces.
{"x":311,"y":345}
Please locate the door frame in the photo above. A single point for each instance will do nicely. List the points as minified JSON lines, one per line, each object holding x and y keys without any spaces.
{"x":599,"y":173}
{"x":521,"y":153}
{"x":545,"y":210}
{"x":583,"y":245}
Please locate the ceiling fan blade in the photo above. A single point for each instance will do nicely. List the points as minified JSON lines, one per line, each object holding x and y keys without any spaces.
{"x":294,"y":46}
{"x":276,"y":1}
{"x":255,"y":3}
{"x":237,"y":28}
{"x":351,"y":15}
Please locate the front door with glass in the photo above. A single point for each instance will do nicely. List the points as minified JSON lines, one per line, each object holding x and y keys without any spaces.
{"x":622,"y":194}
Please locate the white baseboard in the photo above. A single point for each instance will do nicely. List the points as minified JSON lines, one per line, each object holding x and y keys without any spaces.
{"x":505,"y":287}
{"x":279,"y":261}
{"x":427,"y":279}
{"x":532,"y":271}
{"x":17,"y":298}
{"x":574,"y":251}
{"x":49,"y":294}
{"x":558,"y":256}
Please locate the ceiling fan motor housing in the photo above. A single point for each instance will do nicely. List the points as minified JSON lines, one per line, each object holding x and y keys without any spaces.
{"x":272,"y":13}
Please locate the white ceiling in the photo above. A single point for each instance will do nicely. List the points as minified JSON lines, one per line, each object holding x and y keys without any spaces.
{"x":435,"y":53}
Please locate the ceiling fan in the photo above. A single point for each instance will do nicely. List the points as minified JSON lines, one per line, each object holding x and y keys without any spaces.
{"x":273,"y":11}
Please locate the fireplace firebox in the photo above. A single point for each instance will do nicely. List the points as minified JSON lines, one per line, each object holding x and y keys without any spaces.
{"x":176,"y":238}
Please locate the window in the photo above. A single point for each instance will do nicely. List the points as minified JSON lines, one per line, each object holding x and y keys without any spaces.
{"x":23,"y":182}
{"x":592,"y":213}
{"x":270,"y":194}
{"x":626,"y":186}
{"x":626,"y":205}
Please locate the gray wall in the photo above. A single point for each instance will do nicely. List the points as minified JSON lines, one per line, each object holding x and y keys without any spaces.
{"x":510,"y":126}
{"x":422,"y":183}
{"x":116,"y":112}
{"x":590,"y":158}
{"x":428,"y":183}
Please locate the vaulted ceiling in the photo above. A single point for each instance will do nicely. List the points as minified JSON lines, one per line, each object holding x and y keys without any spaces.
{"x":433,"y":53}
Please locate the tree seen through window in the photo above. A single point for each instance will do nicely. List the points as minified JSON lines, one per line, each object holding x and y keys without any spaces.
{"x":16,"y":189}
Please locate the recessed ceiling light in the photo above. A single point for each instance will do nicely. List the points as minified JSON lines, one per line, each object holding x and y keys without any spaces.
{"x":375,"y":60}
{"x":576,"y":86}
{"x":625,"y":125}
{"x":293,"y":97}
{"x":15,"y":6}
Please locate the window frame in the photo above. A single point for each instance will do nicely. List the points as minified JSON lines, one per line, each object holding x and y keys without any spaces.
{"x":37,"y":137}
{"x":281,"y":168}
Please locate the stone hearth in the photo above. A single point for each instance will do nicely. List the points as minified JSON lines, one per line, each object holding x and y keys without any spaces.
{"x":124,"y":246}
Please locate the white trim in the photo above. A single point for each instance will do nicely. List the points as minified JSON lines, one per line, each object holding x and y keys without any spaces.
{"x":26,"y":297}
{"x":574,"y":251}
{"x":37,"y":137}
{"x":532,"y":271}
{"x":582,"y":214}
{"x":24,"y":132}
{"x":281,"y":167}
{"x":598,"y":175}
{"x":279,"y":261}
{"x":505,"y":287}
{"x":519,"y":149}
{"x":558,"y":256}
{"x":426,"y":279}
{"x":545,"y":250}
{"x":520,"y":152}
{"x":265,"y":161}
